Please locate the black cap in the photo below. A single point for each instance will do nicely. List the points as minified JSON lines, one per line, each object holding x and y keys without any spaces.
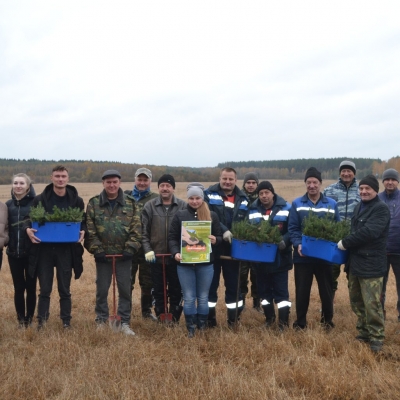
{"x":111,"y":173}
{"x":265,"y":185}
{"x":166,"y":178}
{"x":312,"y":172}
{"x":371,"y":181}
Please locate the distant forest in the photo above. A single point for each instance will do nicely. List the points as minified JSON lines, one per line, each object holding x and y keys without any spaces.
{"x":91,"y":171}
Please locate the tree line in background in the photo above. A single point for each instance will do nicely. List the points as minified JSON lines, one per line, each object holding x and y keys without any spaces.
{"x":91,"y":171}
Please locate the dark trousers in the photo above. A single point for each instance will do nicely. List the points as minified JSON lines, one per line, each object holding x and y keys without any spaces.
{"x":145,"y":279}
{"x":272,"y":287}
{"x":230,"y":272}
{"x":23,"y":283}
{"x":174,"y":291}
{"x":56,"y":255}
{"x":303,"y":278}
{"x":246,"y":268}
{"x":394,"y":261}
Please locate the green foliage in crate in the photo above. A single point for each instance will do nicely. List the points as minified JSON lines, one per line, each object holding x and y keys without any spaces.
{"x":325,"y":227}
{"x":39,"y":214}
{"x":263,"y":232}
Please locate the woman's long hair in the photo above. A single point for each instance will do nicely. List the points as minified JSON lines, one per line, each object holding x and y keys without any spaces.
{"x":203,"y":212}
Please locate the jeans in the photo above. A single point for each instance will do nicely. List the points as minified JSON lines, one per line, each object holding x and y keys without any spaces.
{"x":59,"y":256}
{"x":23,"y":283}
{"x":195,"y":282}
{"x":394,"y":261}
{"x":123,"y":283}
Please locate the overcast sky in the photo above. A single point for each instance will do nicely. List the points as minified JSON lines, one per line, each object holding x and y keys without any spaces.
{"x":195,"y":83}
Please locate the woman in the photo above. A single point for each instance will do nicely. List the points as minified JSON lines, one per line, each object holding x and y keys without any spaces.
{"x":196,"y":278}
{"x":22,"y":194}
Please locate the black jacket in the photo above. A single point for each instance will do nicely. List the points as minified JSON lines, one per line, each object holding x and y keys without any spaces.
{"x":19,"y":243}
{"x":175,"y":231}
{"x":367,"y":241}
{"x":76,"y":248}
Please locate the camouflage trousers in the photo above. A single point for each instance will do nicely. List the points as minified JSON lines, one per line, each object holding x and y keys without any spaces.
{"x":245,"y":268}
{"x":365,"y":294}
{"x":145,"y":281}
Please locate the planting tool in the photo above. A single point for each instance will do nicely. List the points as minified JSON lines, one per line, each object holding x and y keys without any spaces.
{"x":166,"y":317}
{"x":114,"y":320}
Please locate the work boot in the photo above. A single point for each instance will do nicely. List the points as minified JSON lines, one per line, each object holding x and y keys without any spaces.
{"x":146,"y":302}
{"x":375,"y":346}
{"x":233,"y":316}
{"x":191,"y":320}
{"x":202,"y":321}
{"x":283,"y":316}
{"x":269,"y":312}
{"x":256,"y":304}
{"x":211,"y":318}
{"x":176,"y":312}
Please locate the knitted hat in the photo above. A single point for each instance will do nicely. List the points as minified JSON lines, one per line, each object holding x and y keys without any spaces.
{"x":195,"y":189}
{"x":250,"y":176}
{"x":265,"y":185}
{"x":110,"y":173}
{"x":143,"y":171}
{"x":371,"y":181}
{"x":390,"y":173}
{"x":166,"y":178}
{"x":312,"y":172}
{"x":347,"y":165}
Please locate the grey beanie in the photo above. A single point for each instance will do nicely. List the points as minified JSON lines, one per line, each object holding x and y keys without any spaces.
{"x":390,"y":173}
{"x":195,"y":189}
{"x":347,"y":165}
{"x":250,"y":176}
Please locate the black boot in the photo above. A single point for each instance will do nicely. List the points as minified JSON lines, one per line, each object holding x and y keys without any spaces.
{"x":146,"y":302}
{"x":283,"y":315}
{"x":202,"y":321}
{"x":211,"y":318}
{"x":176,"y":312}
{"x":256,"y":304}
{"x":269,"y":312}
{"x":191,"y":320}
{"x":233,"y":316}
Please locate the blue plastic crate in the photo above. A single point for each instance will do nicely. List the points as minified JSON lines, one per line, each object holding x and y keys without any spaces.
{"x":57,"y":232}
{"x":320,"y":248}
{"x":252,"y":251}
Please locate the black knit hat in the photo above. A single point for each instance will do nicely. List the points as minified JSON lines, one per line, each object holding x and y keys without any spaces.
{"x":390,"y":173}
{"x":250,"y":176}
{"x":166,"y":178}
{"x":312,"y":172}
{"x":371,"y":181}
{"x":265,"y":185}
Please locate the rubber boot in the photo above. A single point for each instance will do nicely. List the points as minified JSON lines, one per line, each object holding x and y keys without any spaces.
{"x":146,"y":302}
{"x":176,"y":312}
{"x":283,"y":315}
{"x":256,"y":304}
{"x":191,"y":320}
{"x":211,"y":318}
{"x":233,"y":316}
{"x":269,"y":312}
{"x":202,"y":321}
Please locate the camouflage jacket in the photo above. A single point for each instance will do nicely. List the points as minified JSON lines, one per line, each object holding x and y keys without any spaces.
{"x":113,"y":230}
{"x":149,"y":196}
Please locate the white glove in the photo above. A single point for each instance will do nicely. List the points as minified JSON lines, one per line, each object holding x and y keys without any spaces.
{"x":150,"y":257}
{"x":227,"y":236}
{"x":340,"y":245}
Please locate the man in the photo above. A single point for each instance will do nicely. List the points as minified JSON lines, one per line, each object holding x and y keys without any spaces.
{"x":250,"y":183}
{"x":156,"y":217}
{"x":272,"y":278}
{"x":113,"y":224}
{"x":231,"y":205}
{"x":367,"y":262}
{"x":64,"y":256}
{"x":142,"y":194}
{"x":391,"y":196}
{"x":345,"y":193}
{"x":306,"y":267}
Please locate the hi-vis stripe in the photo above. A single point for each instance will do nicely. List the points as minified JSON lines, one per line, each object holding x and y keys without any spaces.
{"x":317,"y":210}
{"x":229,"y":204}
{"x":211,"y":304}
{"x":285,"y":303}
{"x":233,"y":305}
{"x":265,"y":302}
{"x":259,"y":215}
{"x":215,"y":197}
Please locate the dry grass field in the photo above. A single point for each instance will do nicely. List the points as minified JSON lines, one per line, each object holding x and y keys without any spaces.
{"x":162,"y":363}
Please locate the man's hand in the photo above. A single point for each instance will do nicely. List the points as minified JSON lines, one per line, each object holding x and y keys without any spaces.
{"x":340,"y":245}
{"x":100,"y":257}
{"x":299,"y":250}
{"x":81,"y":236}
{"x":150,"y":257}
{"x":31,"y":234}
{"x":227,"y":236}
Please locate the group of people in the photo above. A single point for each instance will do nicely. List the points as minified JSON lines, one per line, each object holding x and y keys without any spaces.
{"x":145,"y":230}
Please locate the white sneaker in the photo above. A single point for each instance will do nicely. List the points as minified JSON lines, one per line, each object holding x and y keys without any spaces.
{"x":127,"y":330}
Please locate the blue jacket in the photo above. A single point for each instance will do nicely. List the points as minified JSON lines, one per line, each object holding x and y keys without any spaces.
{"x":300,"y":210}
{"x":279,"y":217}
{"x":346,"y":197}
{"x":393,"y":202}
